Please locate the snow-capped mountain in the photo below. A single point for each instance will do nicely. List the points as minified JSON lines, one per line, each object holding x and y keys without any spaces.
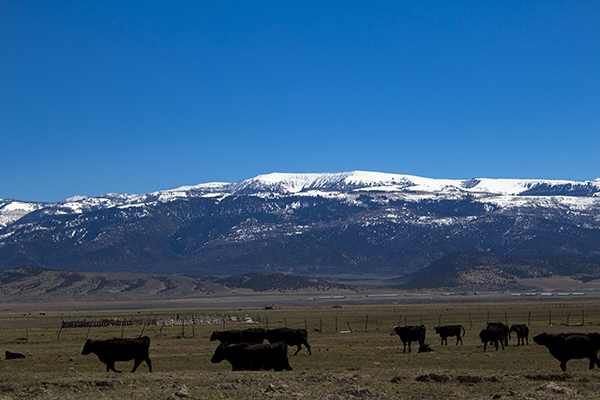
{"x":331,"y":222}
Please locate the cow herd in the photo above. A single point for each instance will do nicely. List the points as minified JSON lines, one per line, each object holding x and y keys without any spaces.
{"x":563,"y":346}
{"x":495,"y":333}
{"x":243,"y":349}
{"x":246,"y":350}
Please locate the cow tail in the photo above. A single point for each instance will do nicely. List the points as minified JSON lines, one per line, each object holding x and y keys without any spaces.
{"x":463,"y":329}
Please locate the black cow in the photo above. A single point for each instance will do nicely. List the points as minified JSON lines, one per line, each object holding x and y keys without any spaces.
{"x":424,"y":348}
{"x":522,"y":332}
{"x":450,"y":330}
{"x":254,"y":356}
{"x":111,"y":350}
{"x":492,"y":334}
{"x":252,"y":335}
{"x":9,"y":355}
{"x":503,"y":329}
{"x":566,"y":346}
{"x":293,"y":337}
{"x":414,"y":333}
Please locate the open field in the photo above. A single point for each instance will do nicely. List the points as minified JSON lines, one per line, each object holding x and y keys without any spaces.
{"x":354,"y":355}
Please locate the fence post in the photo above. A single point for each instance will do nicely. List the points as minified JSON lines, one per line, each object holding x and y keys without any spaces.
{"x":285,"y":322}
{"x":58,"y":337}
{"x":336,"y":325}
{"x":122,"y":330}
{"x":505,"y":318}
{"x":367,"y":323}
{"x":440,"y":320}
{"x":143,"y":327}
{"x":267,"y":321}
{"x":305,"y":326}
{"x":471,"y":320}
{"x":529,"y":319}
{"x":349,"y":327}
{"x":88,"y":333}
{"x":550,"y":317}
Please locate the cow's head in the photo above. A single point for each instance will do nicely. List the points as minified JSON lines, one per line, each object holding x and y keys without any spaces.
{"x":219,"y":354}
{"x":215,"y":336}
{"x":437,"y":329}
{"x":542,"y":338}
{"x":394,"y":331}
{"x":87,"y":348}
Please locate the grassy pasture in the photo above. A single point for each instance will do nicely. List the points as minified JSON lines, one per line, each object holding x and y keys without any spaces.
{"x":348,"y":361}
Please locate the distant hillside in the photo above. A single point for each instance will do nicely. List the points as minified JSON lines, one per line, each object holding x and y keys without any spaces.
{"x":40,"y":284}
{"x":486,"y":271}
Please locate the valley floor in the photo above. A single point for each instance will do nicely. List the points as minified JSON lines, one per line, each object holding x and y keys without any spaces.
{"x":353,"y":354}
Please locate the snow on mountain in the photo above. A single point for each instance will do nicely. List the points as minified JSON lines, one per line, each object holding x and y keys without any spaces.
{"x":502,"y":192}
{"x":11,"y":211}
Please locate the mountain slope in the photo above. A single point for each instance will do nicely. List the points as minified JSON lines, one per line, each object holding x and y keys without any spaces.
{"x":37,"y":284}
{"x":327,"y":224}
{"x":486,"y":271}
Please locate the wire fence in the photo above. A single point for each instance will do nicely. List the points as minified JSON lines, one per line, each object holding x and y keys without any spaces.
{"x":331,"y":319}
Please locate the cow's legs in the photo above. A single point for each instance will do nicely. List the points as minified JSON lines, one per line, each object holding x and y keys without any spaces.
{"x":111,"y":366}
{"x":308,"y":347}
{"x":136,"y":364}
{"x":149,"y":363}
{"x":563,"y":365}
{"x":299,"y":347}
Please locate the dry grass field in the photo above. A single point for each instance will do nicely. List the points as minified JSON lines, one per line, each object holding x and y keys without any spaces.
{"x":353,"y":354}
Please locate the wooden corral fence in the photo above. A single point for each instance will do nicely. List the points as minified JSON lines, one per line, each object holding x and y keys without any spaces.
{"x":102,"y":322}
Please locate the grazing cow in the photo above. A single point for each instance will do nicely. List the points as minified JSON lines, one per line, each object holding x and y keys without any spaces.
{"x":414,"y":333}
{"x":450,"y":330}
{"x":253,"y":335}
{"x":9,"y":355}
{"x":522,"y":332}
{"x":293,"y":337}
{"x":566,"y":346}
{"x":111,"y":350}
{"x":254,"y":356}
{"x":492,"y":334}
{"x":503,"y":329}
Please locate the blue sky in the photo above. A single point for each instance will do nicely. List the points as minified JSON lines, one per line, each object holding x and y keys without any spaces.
{"x":139,"y":96}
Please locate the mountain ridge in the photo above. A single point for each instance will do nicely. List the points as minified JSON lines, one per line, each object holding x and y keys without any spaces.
{"x":313,"y":224}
